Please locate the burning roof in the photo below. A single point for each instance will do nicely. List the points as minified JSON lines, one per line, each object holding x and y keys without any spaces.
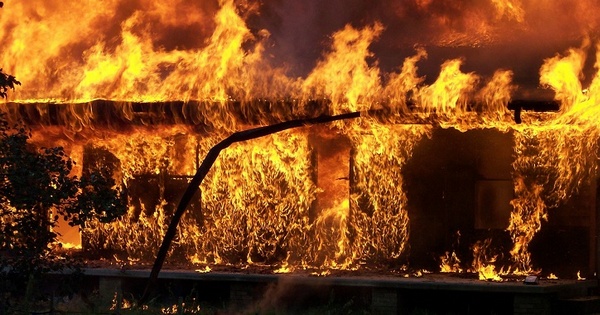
{"x":156,"y":83}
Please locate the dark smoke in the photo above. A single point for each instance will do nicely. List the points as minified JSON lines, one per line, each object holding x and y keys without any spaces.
{"x":474,"y":30}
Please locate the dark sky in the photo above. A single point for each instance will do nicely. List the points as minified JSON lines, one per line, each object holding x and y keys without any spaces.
{"x":486,"y":35}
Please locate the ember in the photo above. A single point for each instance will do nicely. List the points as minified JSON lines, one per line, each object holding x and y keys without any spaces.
{"x":147,"y":88}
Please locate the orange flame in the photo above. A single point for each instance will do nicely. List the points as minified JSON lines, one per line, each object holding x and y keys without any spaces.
{"x":258,"y":201}
{"x":450,"y":263}
{"x":344,"y":77}
{"x":483,"y":262}
{"x":450,"y":92}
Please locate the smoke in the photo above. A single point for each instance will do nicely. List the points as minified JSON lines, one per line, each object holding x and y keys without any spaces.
{"x":288,"y":296}
{"x":175,"y":24}
{"x":487,"y":34}
{"x":300,"y":30}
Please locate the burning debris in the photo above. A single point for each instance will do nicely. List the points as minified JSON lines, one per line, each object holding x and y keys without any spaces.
{"x":148,"y":95}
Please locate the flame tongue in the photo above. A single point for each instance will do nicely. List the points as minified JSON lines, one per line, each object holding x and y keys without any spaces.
{"x":258,"y":203}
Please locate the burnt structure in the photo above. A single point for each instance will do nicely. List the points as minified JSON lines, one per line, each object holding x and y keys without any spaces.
{"x":455,"y":189}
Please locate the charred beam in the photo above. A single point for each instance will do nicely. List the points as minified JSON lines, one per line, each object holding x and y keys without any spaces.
{"x":201,"y":114}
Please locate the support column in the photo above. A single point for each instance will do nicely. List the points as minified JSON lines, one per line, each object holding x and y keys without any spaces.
{"x":333,"y":167}
{"x":331,"y":214}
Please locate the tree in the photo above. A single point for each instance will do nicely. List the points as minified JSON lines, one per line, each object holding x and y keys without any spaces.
{"x":34,"y":183}
{"x":7,"y":81}
{"x":36,"y":187}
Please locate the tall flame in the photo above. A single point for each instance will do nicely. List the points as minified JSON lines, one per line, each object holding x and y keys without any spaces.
{"x":379,"y":220}
{"x":112,"y":59}
{"x":345,"y":77}
{"x":553,"y":158}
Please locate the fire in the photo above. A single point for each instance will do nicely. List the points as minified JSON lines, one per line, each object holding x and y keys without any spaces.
{"x":285,"y":268}
{"x":206,"y":269}
{"x":496,"y":93}
{"x":483,"y":262}
{"x":120,"y":303}
{"x":450,"y":263}
{"x":403,"y":83}
{"x":135,"y":68}
{"x":344,"y":76}
{"x":181,"y":308}
{"x":553,"y":159}
{"x":70,"y":246}
{"x":511,"y":9}
{"x":449,"y":93}
{"x":379,"y":220}
{"x":288,"y":200}
{"x":563,"y":74}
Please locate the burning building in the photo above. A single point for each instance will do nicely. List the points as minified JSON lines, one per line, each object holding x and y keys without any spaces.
{"x":490,"y":170}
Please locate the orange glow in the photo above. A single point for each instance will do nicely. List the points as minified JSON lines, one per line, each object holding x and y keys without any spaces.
{"x":513,"y":10}
{"x":405,"y":82}
{"x":483,"y":262}
{"x":105,"y":77}
{"x":450,"y":92}
{"x":344,"y":77}
{"x":450,"y":263}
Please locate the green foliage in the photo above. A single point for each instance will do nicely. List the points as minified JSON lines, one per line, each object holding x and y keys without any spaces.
{"x":7,"y":81}
{"x":97,"y":199}
{"x":36,"y":188}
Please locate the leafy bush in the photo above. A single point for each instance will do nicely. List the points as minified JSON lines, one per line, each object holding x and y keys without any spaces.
{"x":34,"y":183}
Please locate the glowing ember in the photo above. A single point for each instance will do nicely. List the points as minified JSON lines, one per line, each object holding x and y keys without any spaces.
{"x":284,"y":269}
{"x":450,"y":263}
{"x":206,"y":269}
{"x":483,"y":262}
{"x":182,"y":308}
